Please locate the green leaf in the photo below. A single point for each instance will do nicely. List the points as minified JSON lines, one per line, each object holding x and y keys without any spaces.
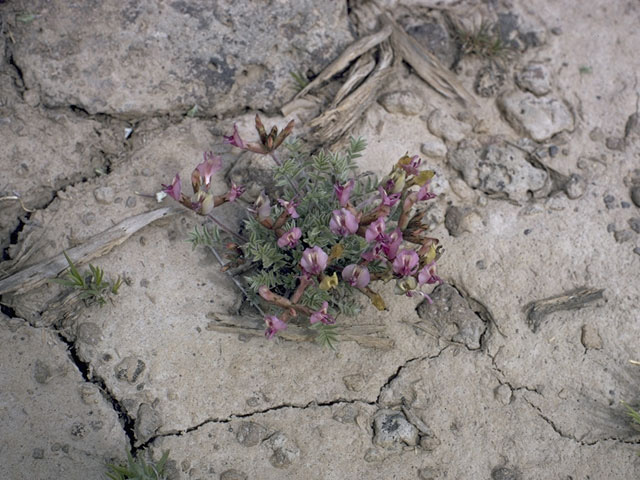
{"x":326,"y":335}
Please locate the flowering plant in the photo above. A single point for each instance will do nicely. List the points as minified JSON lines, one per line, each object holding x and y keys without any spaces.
{"x":326,"y":233}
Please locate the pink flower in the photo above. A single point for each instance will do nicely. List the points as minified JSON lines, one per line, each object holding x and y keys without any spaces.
{"x":290,"y":207}
{"x":343,"y":222}
{"x":428,"y":274}
{"x":388,"y":200}
{"x":375,"y":231}
{"x":406,"y":263}
{"x":412,"y":167}
{"x":235,"y":192}
{"x":322,"y":315}
{"x":314,"y":261}
{"x":290,"y":239}
{"x":234,"y":139}
{"x":343,"y":192}
{"x":424,"y":193}
{"x":205,"y":170}
{"x":174,"y":189}
{"x":356,"y":275}
{"x":274,"y":325}
{"x":391,"y":243}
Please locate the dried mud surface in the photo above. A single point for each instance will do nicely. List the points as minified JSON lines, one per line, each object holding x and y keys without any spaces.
{"x":535,"y":199}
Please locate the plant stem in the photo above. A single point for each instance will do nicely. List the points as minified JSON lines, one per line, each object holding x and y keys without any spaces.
{"x":226,"y":229}
{"x":274,"y":155}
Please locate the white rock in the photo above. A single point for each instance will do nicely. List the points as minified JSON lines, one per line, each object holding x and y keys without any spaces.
{"x":535,"y":78}
{"x":539,"y":118}
{"x":403,"y":101}
{"x":434,"y":148}
{"x":443,"y":125}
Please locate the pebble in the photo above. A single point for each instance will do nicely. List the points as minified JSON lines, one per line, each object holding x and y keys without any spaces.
{"x":535,"y":78}
{"x":88,"y":218}
{"x":615,"y":143}
{"x":41,"y":372}
{"x":489,"y":80}
{"x":89,"y":333}
{"x":131,"y":202}
{"x":434,"y":148}
{"x":611,"y":227}
{"x":392,"y":428}
{"x":590,"y":337}
{"x":481,"y":265}
{"x":129,"y":369}
{"x":635,"y":196}
{"x":610,"y":201}
{"x":553,"y":151}
{"x":346,"y":414}
{"x":625,"y":204}
{"x":374,"y":455}
{"x":622,"y":236}
{"x":148,"y":421}
{"x":146,"y":172}
{"x":233,"y":474}
{"x":429,"y":443}
{"x":403,"y":101}
{"x":576,"y":186}
{"x":38,"y":453}
{"x":285,"y":451}
{"x":634,"y":223}
{"x":504,"y":473}
{"x":428,"y":473}
{"x":354,"y":382}
{"x":444,"y":126}
{"x":596,"y":135}
{"x":31,"y":98}
{"x":503,"y":394}
{"x":104,"y":195}
{"x":636,"y":250}
{"x":89,"y":394}
{"x":250,"y":434}
{"x":632,"y":127}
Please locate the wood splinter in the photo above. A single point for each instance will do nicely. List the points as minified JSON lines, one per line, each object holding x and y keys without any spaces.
{"x":572,"y":300}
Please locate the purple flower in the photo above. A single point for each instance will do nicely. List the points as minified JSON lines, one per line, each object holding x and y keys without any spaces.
{"x":424,"y":193}
{"x":234,"y":139}
{"x":356,"y":275}
{"x":322,"y":315}
{"x":343,"y":192}
{"x":412,"y":166}
{"x":205,"y":170}
{"x":235,"y":192}
{"x":290,"y":239}
{"x":388,"y":200}
{"x":343,"y":222}
{"x":375,"y":231}
{"x":290,"y":207}
{"x":406,"y":263}
{"x":314,"y":261}
{"x":274,"y":325}
{"x":391,"y":243}
{"x":174,"y":189}
{"x":428,"y":274}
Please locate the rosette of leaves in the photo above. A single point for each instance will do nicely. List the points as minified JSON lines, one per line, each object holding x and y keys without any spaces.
{"x":138,"y":469}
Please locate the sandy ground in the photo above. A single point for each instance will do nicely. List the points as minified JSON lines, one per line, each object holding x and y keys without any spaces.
{"x":535,"y":201}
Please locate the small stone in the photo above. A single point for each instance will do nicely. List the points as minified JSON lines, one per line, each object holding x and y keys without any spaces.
{"x":444,"y":126}
{"x":458,"y":220}
{"x":131,"y":202}
{"x":89,"y":394}
{"x":392,"y":429}
{"x":556,"y":31}
{"x":538,"y":117}
{"x":429,"y":443}
{"x":632,"y":127}
{"x":89,"y":333}
{"x":404,"y":101}
{"x":481,"y":265}
{"x":436,"y":39}
{"x":88,"y":218}
{"x":354,"y":382}
{"x":146,"y":172}
{"x":576,"y":186}
{"x":596,"y":135}
{"x":285,"y":451}
{"x":374,"y":455}
{"x":78,"y":430}
{"x":41,"y":372}
{"x":38,"y":453}
{"x":590,"y":337}
{"x":31,"y":98}
{"x":96,"y":425}
{"x":615,"y":143}
{"x":104,"y":195}
{"x":634,"y":223}
{"x":233,"y":474}
{"x":622,"y":236}
{"x":148,"y":421}
{"x":489,"y":80}
{"x":250,"y":434}
{"x":346,"y":414}
{"x":504,"y":473}
{"x":55,"y":447}
{"x":129,"y":369}
{"x":527,"y":231}
{"x":624,"y":204}
{"x":252,"y":401}
{"x":635,"y":196}
{"x":610,"y":201}
{"x":636,"y":250}
{"x":535,"y":78}
{"x":434,"y":148}
{"x":503,"y":394}
{"x":611,"y":228}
